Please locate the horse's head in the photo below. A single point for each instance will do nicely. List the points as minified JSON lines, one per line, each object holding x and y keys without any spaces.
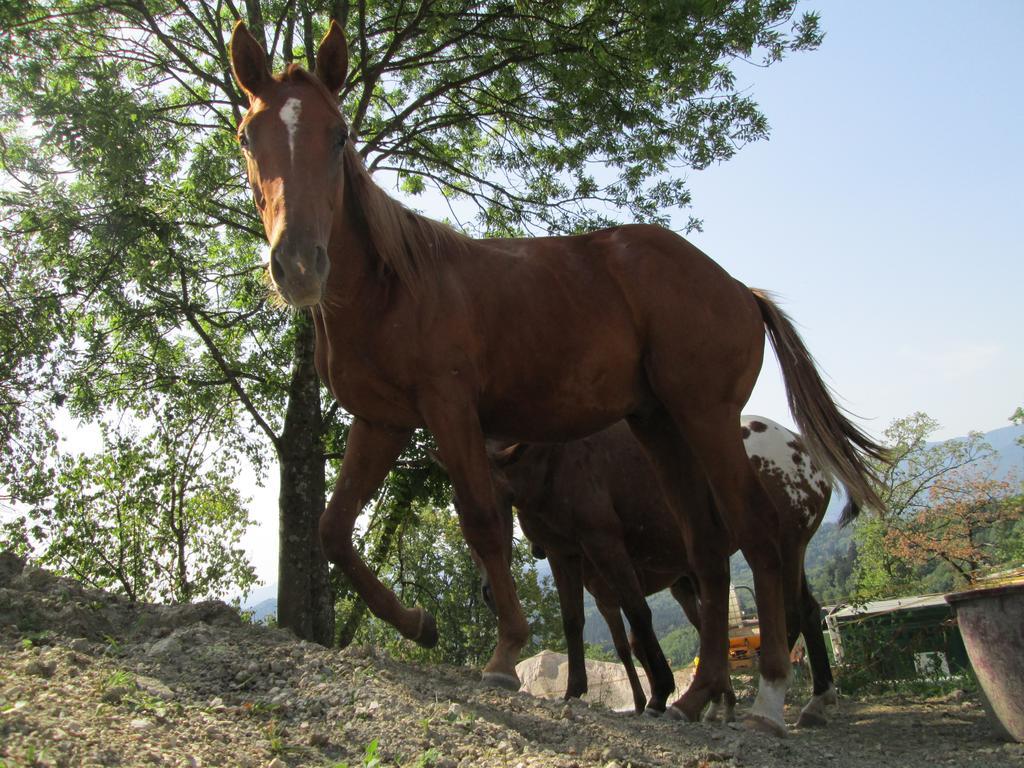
{"x":293,"y":137}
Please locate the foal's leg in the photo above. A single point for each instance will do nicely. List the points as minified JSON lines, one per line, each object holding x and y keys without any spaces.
{"x":606,"y":550}
{"x":369,"y":455}
{"x":685,"y":593}
{"x":568,"y":574}
{"x":613,"y":618}
{"x":460,"y":441}
{"x":824,"y":690}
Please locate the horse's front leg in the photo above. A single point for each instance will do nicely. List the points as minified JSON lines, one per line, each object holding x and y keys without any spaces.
{"x":568,"y":574}
{"x":369,"y":455}
{"x":460,"y":442}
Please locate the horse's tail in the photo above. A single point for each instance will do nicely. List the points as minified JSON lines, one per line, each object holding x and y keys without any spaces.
{"x":850,"y":510}
{"x":836,"y":445}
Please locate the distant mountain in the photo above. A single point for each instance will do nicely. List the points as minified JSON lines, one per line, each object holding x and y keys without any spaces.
{"x":1009,"y":459}
{"x":264,"y":610}
{"x":1011,"y":452}
{"x":262,"y":601}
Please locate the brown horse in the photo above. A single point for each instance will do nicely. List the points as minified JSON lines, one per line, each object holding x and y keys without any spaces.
{"x":594,"y":507}
{"x":542,"y":340}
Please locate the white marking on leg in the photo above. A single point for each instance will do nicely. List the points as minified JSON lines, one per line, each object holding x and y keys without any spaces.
{"x":289,"y":115}
{"x":771,"y":700}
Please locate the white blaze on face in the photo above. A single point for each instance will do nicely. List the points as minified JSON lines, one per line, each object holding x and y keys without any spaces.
{"x":290,"y":117}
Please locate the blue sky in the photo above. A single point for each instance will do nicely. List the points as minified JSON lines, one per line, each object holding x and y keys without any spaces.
{"x":885,"y":211}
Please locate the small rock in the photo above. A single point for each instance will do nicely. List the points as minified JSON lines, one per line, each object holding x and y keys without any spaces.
{"x":140,"y":724}
{"x":115,"y":695}
{"x":81,"y":645}
{"x":168,"y":646}
{"x":154,"y":688}
{"x":318,"y":739}
{"x":41,"y":668}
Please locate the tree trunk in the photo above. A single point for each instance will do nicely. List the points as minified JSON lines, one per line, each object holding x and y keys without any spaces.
{"x":305,"y":600}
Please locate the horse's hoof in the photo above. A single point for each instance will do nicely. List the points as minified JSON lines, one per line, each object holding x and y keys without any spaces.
{"x":651,"y":712}
{"x":811,"y":720}
{"x":500,"y":680}
{"x":675,"y":713}
{"x":762,"y":724}
{"x":426,"y":636}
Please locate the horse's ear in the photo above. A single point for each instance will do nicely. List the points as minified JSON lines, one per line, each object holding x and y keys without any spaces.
{"x":503,"y":454}
{"x":332,"y":59}
{"x":248,"y":60}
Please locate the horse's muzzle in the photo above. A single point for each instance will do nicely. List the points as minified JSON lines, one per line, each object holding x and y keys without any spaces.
{"x":299,"y":274}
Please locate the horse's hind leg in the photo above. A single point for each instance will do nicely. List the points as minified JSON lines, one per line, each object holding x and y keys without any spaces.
{"x":751,"y":517}
{"x":723,"y":703}
{"x":713,"y":433}
{"x":369,"y":455}
{"x":813,"y":712}
{"x":613,"y":618}
{"x":707,"y":555}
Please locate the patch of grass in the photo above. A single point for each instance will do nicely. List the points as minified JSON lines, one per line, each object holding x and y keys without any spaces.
{"x":427,"y":759}
{"x":119,"y":678}
{"x":259,"y":709}
{"x":36,"y":638}
{"x":277,"y":746}
{"x":370,"y":758}
{"x":113,"y":645}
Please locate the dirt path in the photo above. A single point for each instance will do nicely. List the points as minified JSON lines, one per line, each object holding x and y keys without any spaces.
{"x":89,"y":680}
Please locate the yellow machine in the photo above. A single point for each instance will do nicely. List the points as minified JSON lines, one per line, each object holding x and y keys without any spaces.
{"x":744,"y":635}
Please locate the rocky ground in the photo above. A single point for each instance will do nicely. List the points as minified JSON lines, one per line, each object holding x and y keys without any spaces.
{"x":86,"y":679}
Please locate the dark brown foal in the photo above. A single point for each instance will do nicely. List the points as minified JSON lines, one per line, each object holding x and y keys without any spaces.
{"x":595,"y":508}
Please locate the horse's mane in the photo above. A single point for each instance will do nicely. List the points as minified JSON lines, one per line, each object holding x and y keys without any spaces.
{"x":406,"y":243}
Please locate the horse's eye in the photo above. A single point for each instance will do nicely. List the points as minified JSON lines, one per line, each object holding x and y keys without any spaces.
{"x":342,"y":136}
{"x":243,"y":140}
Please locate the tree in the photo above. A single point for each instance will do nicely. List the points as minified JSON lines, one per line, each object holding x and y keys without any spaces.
{"x":124,"y":190}
{"x":942,"y":506}
{"x":964,"y":525}
{"x":152,"y":517}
